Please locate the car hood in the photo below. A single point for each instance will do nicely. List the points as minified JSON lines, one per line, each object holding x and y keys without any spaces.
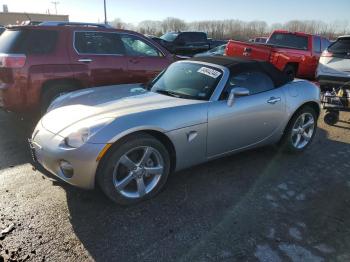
{"x":105,"y":102}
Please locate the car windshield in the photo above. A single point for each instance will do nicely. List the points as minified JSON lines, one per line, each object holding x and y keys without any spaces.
{"x":289,"y":40}
{"x":340,"y":46}
{"x":170,"y":37}
{"x":188,"y":80}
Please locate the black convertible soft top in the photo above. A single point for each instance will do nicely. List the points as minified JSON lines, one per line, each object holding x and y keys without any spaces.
{"x":238,"y":65}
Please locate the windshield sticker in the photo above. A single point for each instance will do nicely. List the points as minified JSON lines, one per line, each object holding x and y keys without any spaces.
{"x":209,"y":72}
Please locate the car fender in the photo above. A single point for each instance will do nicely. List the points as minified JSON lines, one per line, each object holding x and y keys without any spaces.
{"x":298,"y":93}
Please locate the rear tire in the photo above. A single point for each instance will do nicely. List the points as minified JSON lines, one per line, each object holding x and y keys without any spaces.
{"x":53,"y":92}
{"x":290,"y":71}
{"x":300,"y":130}
{"x":128,"y":183}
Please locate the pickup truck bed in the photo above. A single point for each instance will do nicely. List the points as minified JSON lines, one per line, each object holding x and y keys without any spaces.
{"x":296,"y":54}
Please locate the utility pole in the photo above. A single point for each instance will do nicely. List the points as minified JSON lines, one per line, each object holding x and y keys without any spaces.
{"x":55,"y":3}
{"x":104,"y":2}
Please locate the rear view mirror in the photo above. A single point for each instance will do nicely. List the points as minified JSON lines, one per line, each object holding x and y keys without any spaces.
{"x":236,"y":92}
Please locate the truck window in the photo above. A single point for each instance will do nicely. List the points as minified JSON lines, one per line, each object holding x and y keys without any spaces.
{"x":28,"y":41}
{"x":316,"y":44}
{"x":324,"y":44}
{"x":192,"y":37}
{"x":99,"y":43}
{"x":170,"y":37}
{"x":289,"y":40}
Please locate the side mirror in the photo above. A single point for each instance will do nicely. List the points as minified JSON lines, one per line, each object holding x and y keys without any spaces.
{"x":236,"y":92}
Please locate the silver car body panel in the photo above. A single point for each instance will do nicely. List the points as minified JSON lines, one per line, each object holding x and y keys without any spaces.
{"x":199,"y":130}
{"x":49,"y":153}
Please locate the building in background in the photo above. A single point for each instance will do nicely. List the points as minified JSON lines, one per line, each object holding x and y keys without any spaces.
{"x":12,"y":18}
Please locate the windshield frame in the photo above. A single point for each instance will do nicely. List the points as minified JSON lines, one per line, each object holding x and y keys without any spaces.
{"x":215,"y":96}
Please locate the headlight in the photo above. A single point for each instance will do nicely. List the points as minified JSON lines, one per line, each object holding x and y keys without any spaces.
{"x":78,"y":138}
{"x":77,"y":135}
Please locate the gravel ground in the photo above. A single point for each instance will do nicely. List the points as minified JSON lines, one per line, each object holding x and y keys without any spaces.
{"x":261,"y":205}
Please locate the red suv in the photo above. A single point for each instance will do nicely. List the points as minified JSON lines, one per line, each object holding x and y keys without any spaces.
{"x":39,"y":63}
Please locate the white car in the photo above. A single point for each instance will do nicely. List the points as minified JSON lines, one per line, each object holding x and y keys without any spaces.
{"x":334,"y":65}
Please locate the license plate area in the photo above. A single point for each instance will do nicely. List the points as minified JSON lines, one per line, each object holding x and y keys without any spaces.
{"x":35,"y":150}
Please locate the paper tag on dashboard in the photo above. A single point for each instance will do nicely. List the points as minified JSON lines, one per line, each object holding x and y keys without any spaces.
{"x":209,"y":72}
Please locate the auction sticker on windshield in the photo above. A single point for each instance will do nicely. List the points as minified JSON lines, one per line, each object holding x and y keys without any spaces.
{"x":209,"y":72}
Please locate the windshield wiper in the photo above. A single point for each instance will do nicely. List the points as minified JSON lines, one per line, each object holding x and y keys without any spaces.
{"x":169,"y":93}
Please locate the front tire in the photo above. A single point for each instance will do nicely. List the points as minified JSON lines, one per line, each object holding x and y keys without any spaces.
{"x":290,"y":71}
{"x":300,"y":131}
{"x":135,"y":170}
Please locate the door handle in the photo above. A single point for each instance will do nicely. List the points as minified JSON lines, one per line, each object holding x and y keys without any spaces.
{"x":85,"y":60}
{"x":273,"y":100}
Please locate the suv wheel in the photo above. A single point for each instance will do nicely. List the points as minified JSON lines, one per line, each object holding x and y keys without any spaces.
{"x":51,"y":93}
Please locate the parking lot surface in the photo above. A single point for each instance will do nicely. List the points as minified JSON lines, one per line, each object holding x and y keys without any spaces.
{"x":261,"y":205}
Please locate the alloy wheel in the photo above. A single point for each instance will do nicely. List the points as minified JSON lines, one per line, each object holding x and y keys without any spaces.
{"x":303,"y":130}
{"x":138,"y":172}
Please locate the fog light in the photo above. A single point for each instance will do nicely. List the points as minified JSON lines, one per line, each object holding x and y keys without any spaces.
{"x":67,"y":169}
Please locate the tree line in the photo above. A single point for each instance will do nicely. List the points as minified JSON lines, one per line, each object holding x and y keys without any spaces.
{"x":236,"y":29}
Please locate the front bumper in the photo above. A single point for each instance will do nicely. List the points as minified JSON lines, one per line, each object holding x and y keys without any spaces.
{"x":333,"y":80}
{"x":331,"y":77}
{"x":48,"y":152}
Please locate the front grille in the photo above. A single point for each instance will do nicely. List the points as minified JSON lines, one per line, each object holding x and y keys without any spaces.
{"x":32,"y":151}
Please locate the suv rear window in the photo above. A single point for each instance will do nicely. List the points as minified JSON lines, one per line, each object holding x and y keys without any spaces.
{"x":289,"y":40}
{"x":342,"y":45}
{"x":28,"y":41}
{"x":101,"y":43}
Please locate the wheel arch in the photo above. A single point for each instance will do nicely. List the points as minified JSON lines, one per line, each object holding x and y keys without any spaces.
{"x":314,"y":105}
{"x":295,"y":65}
{"x":163,"y":138}
{"x":66,"y":81}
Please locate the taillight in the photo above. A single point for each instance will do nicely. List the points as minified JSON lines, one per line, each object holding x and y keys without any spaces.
{"x":12,"y":60}
{"x":326,"y":53}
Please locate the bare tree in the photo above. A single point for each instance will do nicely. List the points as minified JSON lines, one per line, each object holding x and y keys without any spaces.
{"x":173,"y":24}
{"x":236,"y":29}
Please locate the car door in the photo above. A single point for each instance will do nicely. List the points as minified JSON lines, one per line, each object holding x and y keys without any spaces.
{"x":250,"y":120}
{"x":145,"y":60}
{"x":99,"y":57}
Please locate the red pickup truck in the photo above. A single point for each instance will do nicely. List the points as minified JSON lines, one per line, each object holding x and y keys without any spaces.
{"x":295,"y":53}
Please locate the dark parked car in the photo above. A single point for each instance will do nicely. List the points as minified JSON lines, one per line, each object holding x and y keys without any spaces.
{"x":40,"y":62}
{"x":187,"y":43}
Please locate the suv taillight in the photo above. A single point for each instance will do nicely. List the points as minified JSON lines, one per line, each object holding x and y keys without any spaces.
{"x":12,"y":60}
{"x":326,"y":53}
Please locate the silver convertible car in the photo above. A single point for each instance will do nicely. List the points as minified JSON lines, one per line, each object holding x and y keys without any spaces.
{"x":128,"y":138}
